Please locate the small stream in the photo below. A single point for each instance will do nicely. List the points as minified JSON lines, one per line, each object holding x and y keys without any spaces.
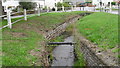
{"x":64,"y":54}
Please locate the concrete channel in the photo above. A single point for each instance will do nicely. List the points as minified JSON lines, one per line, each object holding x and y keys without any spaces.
{"x":64,"y":54}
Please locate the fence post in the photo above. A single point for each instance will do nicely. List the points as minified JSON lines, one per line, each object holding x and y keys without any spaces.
{"x":75,"y":6}
{"x":63,"y":8}
{"x":71,"y":8}
{"x":25,"y":15}
{"x":110,"y":7}
{"x":56,"y":9}
{"x":38,"y":11}
{"x":47,"y":9}
{"x":94,"y":8}
{"x":9,"y":19}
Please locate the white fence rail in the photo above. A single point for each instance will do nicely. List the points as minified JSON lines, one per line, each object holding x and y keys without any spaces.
{"x":25,"y":15}
{"x":9,"y":19}
{"x":39,"y":11}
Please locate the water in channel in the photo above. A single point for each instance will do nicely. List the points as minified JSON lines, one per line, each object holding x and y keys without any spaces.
{"x":64,"y":54}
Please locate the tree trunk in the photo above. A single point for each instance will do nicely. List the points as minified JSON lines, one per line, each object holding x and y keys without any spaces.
{"x":0,"y":10}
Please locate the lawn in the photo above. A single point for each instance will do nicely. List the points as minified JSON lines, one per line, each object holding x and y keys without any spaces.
{"x":4,"y":22}
{"x":101,"y":29}
{"x":25,"y":36}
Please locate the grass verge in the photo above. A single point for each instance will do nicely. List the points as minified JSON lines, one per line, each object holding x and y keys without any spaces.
{"x":101,"y":29}
{"x":27,"y":36}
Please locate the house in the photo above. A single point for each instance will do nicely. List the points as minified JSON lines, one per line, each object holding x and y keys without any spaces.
{"x":9,"y":4}
{"x":75,"y":2}
{"x":104,"y":2}
{"x":116,"y":1}
{"x":40,"y":3}
{"x":14,"y":3}
{"x":48,"y":3}
{"x":52,"y":3}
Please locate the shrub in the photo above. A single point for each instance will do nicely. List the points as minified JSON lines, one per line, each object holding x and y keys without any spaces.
{"x":113,"y":3}
{"x":53,"y":9}
{"x":66,"y":4}
{"x":59,"y":4}
{"x":27,"y":5}
{"x":45,"y":8}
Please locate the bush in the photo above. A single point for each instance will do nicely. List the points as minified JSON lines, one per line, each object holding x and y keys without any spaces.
{"x":15,"y":10}
{"x":113,"y":3}
{"x":45,"y":8}
{"x":66,"y":4}
{"x":59,"y":4}
{"x":59,"y":9}
{"x":53,"y":9}
{"x":27,"y":5}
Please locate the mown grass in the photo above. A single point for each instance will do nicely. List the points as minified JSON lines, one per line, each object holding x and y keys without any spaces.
{"x":106,"y":9}
{"x":4,"y":22}
{"x":101,"y":29}
{"x":28,"y":35}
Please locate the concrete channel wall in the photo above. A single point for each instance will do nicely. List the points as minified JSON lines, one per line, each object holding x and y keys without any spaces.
{"x":95,"y":56}
{"x":61,"y":28}
{"x":91,"y":52}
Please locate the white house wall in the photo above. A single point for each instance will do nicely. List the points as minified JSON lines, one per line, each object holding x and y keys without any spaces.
{"x":51,"y":3}
{"x":41,"y":3}
{"x":48,"y":3}
{"x":97,"y":2}
{"x":8,"y":3}
{"x":94,"y":2}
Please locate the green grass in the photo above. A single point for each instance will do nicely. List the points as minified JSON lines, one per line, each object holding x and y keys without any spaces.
{"x":80,"y":57}
{"x":4,"y":22}
{"x":28,"y":35}
{"x":80,"y":61}
{"x":101,"y":29}
{"x":16,"y":49}
{"x":115,"y":9}
{"x":106,"y":9}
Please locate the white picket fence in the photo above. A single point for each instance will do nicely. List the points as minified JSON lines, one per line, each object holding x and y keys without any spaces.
{"x":26,"y":16}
